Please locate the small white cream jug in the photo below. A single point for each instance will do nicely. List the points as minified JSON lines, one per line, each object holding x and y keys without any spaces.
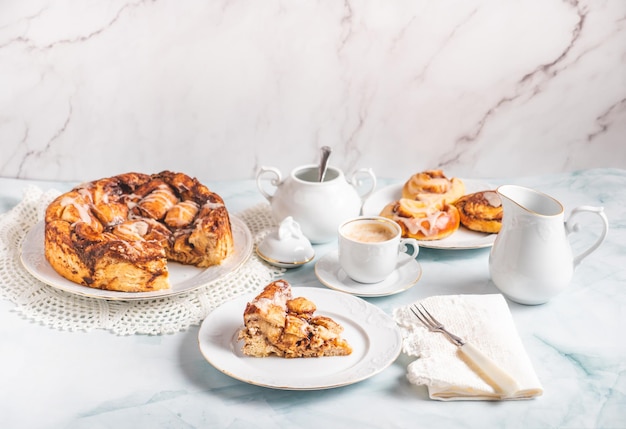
{"x":318,"y":207}
{"x":531,"y":260}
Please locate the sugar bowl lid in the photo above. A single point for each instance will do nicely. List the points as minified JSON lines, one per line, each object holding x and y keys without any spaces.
{"x":286,"y":246}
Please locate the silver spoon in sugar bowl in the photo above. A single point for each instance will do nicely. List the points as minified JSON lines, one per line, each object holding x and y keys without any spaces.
{"x":325,"y":153}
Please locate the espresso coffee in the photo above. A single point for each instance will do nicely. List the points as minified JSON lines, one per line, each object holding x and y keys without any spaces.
{"x":369,"y":231}
{"x":371,"y":248}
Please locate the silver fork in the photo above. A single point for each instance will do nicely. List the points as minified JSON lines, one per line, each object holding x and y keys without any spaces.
{"x":499,"y":378}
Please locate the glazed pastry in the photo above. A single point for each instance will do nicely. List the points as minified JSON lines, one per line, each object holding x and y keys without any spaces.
{"x":118,"y":233}
{"x":421,"y":220}
{"x":433,"y":187}
{"x":275,"y":323}
{"x":481,"y":211}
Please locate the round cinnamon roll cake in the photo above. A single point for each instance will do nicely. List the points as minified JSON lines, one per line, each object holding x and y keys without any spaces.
{"x":118,"y":233}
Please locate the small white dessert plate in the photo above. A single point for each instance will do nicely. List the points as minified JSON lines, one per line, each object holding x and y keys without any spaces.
{"x":373,"y":335}
{"x":331,"y":275}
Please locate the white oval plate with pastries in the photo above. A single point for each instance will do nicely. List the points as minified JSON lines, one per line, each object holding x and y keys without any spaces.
{"x":183,"y":278}
{"x":374,"y":337}
{"x":461,"y":239}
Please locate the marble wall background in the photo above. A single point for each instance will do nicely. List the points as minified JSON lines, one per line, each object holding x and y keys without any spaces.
{"x":217,"y":89}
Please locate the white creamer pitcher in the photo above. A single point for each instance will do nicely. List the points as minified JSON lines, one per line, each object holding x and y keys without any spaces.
{"x":531,"y":260}
{"x":318,"y":207}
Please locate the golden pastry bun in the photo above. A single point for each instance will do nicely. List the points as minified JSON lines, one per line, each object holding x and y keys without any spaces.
{"x":481,"y":211}
{"x":117,"y":233}
{"x":433,"y":187}
{"x":421,"y":220}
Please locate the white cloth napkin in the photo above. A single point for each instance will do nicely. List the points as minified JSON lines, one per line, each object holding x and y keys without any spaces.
{"x":483,"y":320}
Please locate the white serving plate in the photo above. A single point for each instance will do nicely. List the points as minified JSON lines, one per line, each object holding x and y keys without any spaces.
{"x":463,"y":238}
{"x":183,"y":278}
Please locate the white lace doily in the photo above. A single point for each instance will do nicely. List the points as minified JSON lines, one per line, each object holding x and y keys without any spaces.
{"x":67,"y":311}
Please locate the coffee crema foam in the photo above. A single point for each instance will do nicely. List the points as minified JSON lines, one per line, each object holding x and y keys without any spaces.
{"x":369,"y":232}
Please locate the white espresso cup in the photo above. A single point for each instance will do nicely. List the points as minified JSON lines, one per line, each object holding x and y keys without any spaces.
{"x":371,"y":248}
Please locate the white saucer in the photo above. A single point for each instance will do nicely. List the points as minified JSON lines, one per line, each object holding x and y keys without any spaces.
{"x":330,"y":274}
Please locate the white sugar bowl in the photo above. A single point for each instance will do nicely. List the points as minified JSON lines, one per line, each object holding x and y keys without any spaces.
{"x":286,"y":246}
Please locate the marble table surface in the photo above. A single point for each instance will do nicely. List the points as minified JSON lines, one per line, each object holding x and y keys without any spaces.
{"x":56,"y":379}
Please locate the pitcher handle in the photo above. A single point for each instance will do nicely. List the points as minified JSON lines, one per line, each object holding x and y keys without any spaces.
{"x":356,"y":182}
{"x":575,"y":227}
{"x":275,"y":180}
